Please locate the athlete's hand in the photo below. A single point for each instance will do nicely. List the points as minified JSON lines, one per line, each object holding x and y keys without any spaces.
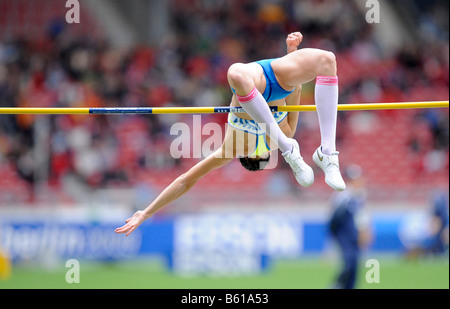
{"x":293,"y":41}
{"x":132,"y":223}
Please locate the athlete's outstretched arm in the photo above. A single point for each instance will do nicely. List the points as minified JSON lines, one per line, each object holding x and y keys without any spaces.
{"x":176,"y":189}
{"x":292,"y":118}
{"x":293,"y":40}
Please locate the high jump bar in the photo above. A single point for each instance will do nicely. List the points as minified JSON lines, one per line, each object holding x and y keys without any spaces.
{"x":211,"y":110}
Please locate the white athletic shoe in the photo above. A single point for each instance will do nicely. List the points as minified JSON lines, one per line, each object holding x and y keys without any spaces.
{"x":303,"y":172}
{"x":330,"y":166}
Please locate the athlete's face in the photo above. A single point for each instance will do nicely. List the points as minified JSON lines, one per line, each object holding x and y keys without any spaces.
{"x":255,"y":163}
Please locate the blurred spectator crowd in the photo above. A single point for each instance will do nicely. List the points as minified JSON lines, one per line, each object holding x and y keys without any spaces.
{"x":188,"y":68}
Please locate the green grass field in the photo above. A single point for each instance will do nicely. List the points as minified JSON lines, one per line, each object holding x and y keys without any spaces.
{"x":300,"y":274}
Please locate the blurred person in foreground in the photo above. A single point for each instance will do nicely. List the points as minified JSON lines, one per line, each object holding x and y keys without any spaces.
{"x":349,"y":226}
{"x":5,"y":262}
{"x":252,"y":135}
{"x":436,"y":242}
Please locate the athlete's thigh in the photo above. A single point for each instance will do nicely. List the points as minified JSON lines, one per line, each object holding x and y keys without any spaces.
{"x":252,"y":71}
{"x":299,"y":67}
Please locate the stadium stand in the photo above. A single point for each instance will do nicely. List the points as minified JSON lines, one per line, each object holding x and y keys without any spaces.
{"x":45,"y":62}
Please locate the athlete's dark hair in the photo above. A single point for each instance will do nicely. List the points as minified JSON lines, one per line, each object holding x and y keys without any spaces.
{"x":254,"y":164}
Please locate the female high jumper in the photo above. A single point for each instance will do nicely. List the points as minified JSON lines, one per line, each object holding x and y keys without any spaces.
{"x":251,"y":136}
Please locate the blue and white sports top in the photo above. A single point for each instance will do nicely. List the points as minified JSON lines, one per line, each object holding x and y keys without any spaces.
{"x":251,"y":127}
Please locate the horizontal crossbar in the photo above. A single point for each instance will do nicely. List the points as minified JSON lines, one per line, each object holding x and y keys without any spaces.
{"x":211,"y":110}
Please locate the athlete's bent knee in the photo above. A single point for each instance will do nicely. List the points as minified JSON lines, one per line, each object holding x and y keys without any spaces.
{"x":236,"y":76}
{"x":327,"y":63}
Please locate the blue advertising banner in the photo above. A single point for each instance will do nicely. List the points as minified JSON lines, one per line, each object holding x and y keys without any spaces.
{"x":196,"y":242}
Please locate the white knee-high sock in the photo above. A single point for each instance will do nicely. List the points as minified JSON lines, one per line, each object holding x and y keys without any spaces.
{"x":326,"y":98}
{"x":257,"y":108}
